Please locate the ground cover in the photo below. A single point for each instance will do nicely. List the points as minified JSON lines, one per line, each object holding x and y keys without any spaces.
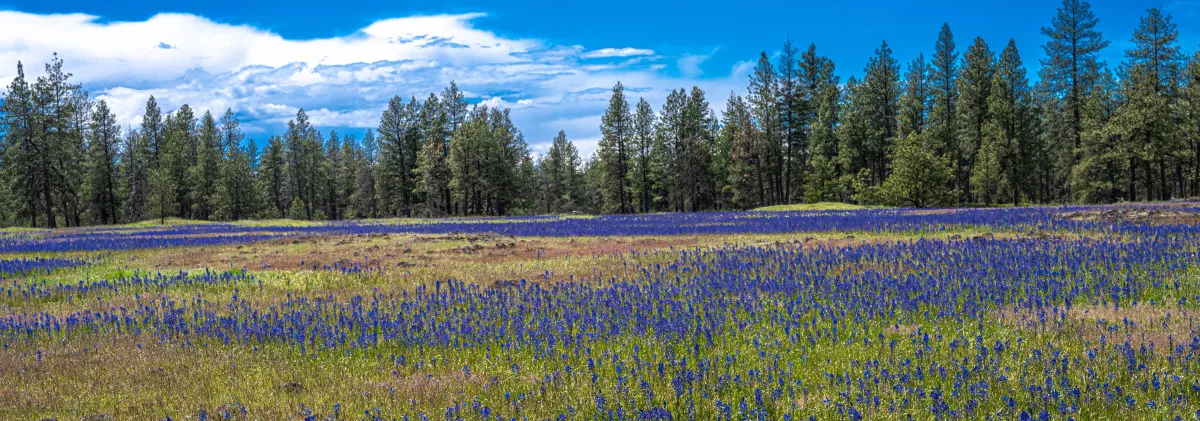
{"x":1008,"y":313}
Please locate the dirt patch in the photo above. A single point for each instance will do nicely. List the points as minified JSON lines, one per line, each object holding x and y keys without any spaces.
{"x":1134,"y":215}
{"x":919,"y":212}
{"x":1140,"y":325}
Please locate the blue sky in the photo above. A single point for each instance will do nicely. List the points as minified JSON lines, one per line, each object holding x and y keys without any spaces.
{"x":551,"y":61}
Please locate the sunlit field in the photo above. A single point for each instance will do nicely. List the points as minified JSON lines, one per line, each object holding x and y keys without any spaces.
{"x":1006,"y":313}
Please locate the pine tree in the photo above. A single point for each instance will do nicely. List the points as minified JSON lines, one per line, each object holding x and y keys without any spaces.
{"x":397,"y":161}
{"x":53,"y":144}
{"x":881,"y":99}
{"x":21,"y":148}
{"x":163,"y":202}
{"x":738,"y":129}
{"x":206,"y":172}
{"x":561,"y":175}
{"x":1098,"y":176}
{"x":1010,"y":123}
{"x":102,"y":165}
{"x":616,"y":128}
{"x":152,"y":132}
{"x":817,"y":79}
{"x":646,"y":168}
{"x":1191,"y":122}
{"x":793,"y":120}
{"x":177,"y":153}
{"x":823,"y":181}
{"x":465,"y":161}
{"x":943,"y":114}
{"x":433,"y":174}
{"x":363,"y":198}
{"x":974,"y":87}
{"x":915,"y":167}
{"x":272,"y":178}
{"x":1072,"y":64}
{"x":852,"y":136}
{"x":235,"y":193}
{"x":763,"y":98}
{"x":1150,"y":87}
{"x":135,"y":173}
{"x":332,"y":163}
{"x":454,"y":114}
{"x":914,"y":105}
{"x":694,"y":153}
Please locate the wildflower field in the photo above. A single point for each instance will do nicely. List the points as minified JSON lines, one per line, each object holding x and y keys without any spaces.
{"x":1007,"y":313}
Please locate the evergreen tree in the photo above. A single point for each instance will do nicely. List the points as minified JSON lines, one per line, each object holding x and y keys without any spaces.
{"x":763,"y":98}
{"x":818,"y":83}
{"x":364,"y":198}
{"x":738,"y":130}
{"x":823,"y":182}
{"x":22,"y":146}
{"x":914,"y":105}
{"x":616,"y":128}
{"x":694,"y":153}
{"x":454,"y":115}
{"x":646,"y":164}
{"x":1153,"y":70}
{"x":206,"y":172}
{"x":793,"y":121}
{"x":943,"y":114}
{"x":102,"y":165}
{"x":433,"y":174}
{"x":916,"y":167}
{"x":1098,"y":176}
{"x":177,"y":153}
{"x":272,"y":178}
{"x":560,"y":170}
{"x":466,"y":161}
{"x":880,"y":95}
{"x":135,"y":173}
{"x":974,"y":87}
{"x":1072,"y":64}
{"x":152,"y":131}
{"x":163,"y":202}
{"x":853,"y":135}
{"x":236,"y":196}
{"x":334,"y":206}
{"x":1010,"y":125}
{"x":1191,"y":122}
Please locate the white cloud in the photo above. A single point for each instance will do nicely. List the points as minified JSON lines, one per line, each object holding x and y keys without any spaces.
{"x":689,"y":64}
{"x":343,"y":82}
{"x":617,"y":52}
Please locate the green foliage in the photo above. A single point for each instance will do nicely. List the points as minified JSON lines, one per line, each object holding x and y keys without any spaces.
{"x":616,"y":129}
{"x":298,"y":210}
{"x":917,"y":173}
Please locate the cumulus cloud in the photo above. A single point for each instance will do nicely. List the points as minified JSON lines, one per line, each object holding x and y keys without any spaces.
{"x":342,"y":82}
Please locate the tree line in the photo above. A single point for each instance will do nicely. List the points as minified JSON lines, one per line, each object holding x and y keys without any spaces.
{"x":955,"y":129}
{"x":958,"y":128}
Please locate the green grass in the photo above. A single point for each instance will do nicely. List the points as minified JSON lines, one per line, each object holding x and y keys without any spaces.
{"x":819,"y":206}
{"x":149,"y":376}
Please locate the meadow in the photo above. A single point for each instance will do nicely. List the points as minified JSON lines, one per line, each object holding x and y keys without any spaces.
{"x":803,"y":313}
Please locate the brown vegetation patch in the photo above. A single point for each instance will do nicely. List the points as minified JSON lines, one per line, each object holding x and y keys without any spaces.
{"x":1140,"y":325}
{"x":919,"y":212}
{"x":1134,"y":215}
